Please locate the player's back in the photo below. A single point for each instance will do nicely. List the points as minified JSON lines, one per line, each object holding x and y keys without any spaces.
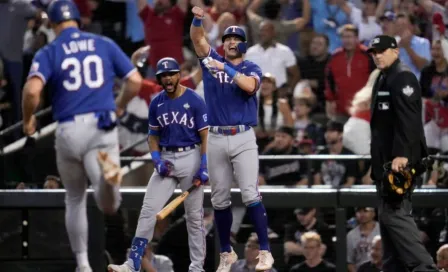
{"x":80,"y":68}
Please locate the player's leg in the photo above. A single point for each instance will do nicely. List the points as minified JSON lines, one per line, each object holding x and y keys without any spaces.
{"x":74,"y":179}
{"x":221,"y":176}
{"x":244,"y":154}
{"x":189,"y":162}
{"x":158,"y":191}
{"x":107,"y":197}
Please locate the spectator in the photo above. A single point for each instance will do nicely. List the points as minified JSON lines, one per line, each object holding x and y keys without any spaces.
{"x":275,"y":58}
{"x":15,"y":16}
{"x":52,"y":182}
{"x":329,"y":15}
{"x":162,"y":27}
{"x":388,"y":23}
{"x":442,"y":257}
{"x":250,"y":257}
{"x":306,"y":221}
{"x":283,"y":172}
{"x":376,"y":256}
{"x":311,"y":243}
{"x":335,"y":172}
{"x":152,"y":262}
{"x":415,"y":51}
{"x":224,"y":21}
{"x":283,"y":28}
{"x":347,"y":72}
{"x":359,"y":239}
{"x":312,"y":68}
{"x":368,"y":27}
{"x":234,"y":7}
{"x":269,"y":116}
{"x":434,"y":84}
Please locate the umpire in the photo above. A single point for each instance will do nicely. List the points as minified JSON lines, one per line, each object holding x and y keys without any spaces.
{"x":397,"y":137}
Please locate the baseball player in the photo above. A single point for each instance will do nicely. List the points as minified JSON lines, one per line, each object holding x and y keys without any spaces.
{"x":177,"y":126}
{"x":230,"y":85}
{"x":80,"y":68}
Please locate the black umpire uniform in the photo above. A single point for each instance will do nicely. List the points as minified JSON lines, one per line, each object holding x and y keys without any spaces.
{"x":397,"y":131}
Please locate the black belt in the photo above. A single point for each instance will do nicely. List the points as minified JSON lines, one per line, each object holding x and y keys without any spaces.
{"x":177,"y":148}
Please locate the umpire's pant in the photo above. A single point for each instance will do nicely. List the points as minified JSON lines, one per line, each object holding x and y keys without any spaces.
{"x":403,"y":249}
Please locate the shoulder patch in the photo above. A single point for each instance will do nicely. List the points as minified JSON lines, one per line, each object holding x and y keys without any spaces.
{"x":408,"y":90}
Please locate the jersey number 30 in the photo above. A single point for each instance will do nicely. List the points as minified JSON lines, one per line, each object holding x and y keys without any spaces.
{"x":88,"y":71}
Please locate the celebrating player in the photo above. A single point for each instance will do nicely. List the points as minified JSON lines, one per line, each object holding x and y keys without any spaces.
{"x":230,"y":85}
{"x":80,"y":69}
{"x":177,"y":125}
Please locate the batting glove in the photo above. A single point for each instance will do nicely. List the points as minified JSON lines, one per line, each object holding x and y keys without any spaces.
{"x":163,"y":167}
{"x":202,"y":173}
{"x":211,"y":69}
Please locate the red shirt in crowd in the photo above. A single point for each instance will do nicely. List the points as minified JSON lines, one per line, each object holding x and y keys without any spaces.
{"x":150,"y":88}
{"x":214,"y":14}
{"x":163,"y":33}
{"x":345,"y":77}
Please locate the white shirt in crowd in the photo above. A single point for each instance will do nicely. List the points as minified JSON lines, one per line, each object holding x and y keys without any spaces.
{"x":273,"y":60}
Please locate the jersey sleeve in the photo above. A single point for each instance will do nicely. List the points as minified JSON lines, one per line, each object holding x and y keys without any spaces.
{"x":200,"y":114}
{"x":153,"y":124}
{"x":254,"y":71}
{"x":122,"y":64}
{"x":41,"y":66}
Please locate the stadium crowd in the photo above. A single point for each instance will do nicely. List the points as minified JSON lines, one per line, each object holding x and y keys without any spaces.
{"x":314,"y":98}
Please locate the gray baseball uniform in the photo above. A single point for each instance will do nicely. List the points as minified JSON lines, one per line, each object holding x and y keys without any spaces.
{"x":159,"y":191}
{"x":77,"y":146}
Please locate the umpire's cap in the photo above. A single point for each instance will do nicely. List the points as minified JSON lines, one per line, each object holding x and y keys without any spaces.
{"x":382,"y":42}
{"x":167,"y":65}
{"x":238,"y":32}
{"x":63,"y":10}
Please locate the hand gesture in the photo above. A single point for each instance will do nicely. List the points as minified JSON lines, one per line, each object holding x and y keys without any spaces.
{"x":213,"y":65}
{"x":405,"y":39}
{"x":283,"y":105}
{"x":198,"y":12}
{"x":163,"y":167}
{"x":399,"y":164}
{"x":29,"y":127}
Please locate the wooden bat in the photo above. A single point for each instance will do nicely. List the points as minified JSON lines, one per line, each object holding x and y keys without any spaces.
{"x":170,"y":207}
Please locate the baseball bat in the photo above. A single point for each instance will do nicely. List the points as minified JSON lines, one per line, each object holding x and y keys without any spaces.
{"x":177,"y":201}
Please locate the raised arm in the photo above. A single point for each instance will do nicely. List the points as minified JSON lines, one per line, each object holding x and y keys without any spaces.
{"x":197,"y":33}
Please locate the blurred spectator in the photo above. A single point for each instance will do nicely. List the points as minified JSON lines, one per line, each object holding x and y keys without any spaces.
{"x":347,"y":72}
{"x":250,"y":260}
{"x":224,"y":21}
{"x":359,"y":239}
{"x":311,"y":243}
{"x":271,"y":10}
{"x":388,"y":23}
{"x":234,"y":7}
{"x":15,"y":16}
{"x":293,"y":9}
{"x":434,"y":84}
{"x":162,"y":27}
{"x":275,"y":58}
{"x":329,"y":15}
{"x":415,"y":52}
{"x":52,"y":182}
{"x":152,"y":262}
{"x":283,"y":172}
{"x":312,"y":68}
{"x":269,"y":116}
{"x":369,"y":27}
{"x":335,"y":172}
{"x":376,"y":254}
{"x":442,"y":257}
{"x":306,"y":221}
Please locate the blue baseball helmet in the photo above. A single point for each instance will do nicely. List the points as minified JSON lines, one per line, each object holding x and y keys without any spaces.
{"x":63,"y":10}
{"x":167,"y":65}
{"x":238,"y":32}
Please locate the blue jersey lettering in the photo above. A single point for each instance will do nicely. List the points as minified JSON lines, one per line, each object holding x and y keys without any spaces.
{"x":227,"y":104}
{"x":80,"y":69}
{"x":178,"y":120}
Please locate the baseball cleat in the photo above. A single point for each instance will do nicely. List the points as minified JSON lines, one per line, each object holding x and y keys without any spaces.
{"x":265,"y":261}
{"x":83,"y":269}
{"x":119,"y":268}
{"x":226,"y":259}
{"x":111,"y":171}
